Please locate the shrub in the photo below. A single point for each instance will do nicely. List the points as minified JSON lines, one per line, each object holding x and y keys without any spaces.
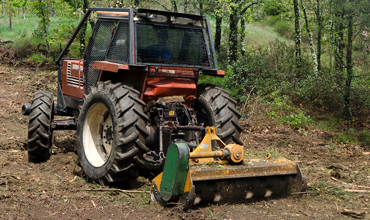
{"x":268,"y":69}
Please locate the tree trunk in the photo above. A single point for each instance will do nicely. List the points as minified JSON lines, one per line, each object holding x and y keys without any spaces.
{"x":10,"y":17}
{"x":347,"y":92}
{"x":312,"y":48}
{"x":339,"y":51}
{"x":297,"y":37}
{"x":242,"y":36}
{"x":174,"y":6}
{"x":331,"y":42}
{"x":186,"y":3}
{"x":44,"y":25}
{"x":83,"y":30}
{"x":319,"y":33}
{"x":201,"y":8}
{"x":137,"y":3}
{"x":24,"y":12}
{"x":218,"y":31}
{"x":233,"y":37}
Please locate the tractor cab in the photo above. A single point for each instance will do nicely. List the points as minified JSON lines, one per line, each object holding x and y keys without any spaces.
{"x":157,"y":53}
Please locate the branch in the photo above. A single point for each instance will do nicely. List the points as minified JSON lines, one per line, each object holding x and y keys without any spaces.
{"x":354,"y":214}
{"x":350,"y":184}
{"x":249,"y":5}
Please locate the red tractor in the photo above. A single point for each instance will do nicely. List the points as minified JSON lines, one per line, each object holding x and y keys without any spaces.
{"x":134,"y":93}
{"x":135,"y":102}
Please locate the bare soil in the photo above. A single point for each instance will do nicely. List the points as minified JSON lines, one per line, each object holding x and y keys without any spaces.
{"x":55,"y":190}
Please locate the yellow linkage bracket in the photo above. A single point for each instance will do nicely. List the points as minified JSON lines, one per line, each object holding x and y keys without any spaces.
{"x":203,"y":153}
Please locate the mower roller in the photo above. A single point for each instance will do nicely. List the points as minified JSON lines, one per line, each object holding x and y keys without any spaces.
{"x":135,"y":100}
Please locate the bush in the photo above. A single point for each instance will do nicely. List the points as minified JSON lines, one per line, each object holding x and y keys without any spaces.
{"x":273,"y":7}
{"x":268,"y":69}
{"x":285,"y":29}
{"x":283,"y":110}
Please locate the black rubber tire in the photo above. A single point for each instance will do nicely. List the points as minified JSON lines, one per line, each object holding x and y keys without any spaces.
{"x":40,"y":136}
{"x":215,"y":107}
{"x":128,"y":134}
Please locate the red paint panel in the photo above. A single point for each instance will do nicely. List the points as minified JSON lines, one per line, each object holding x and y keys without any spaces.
{"x":161,"y":87}
{"x":72,"y":78}
{"x":221,"y":72}
{"x":109,"y":66}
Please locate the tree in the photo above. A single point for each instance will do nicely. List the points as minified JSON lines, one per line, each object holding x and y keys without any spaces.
{"x":43,"y":13}
{"x":319,"y":19}
{"x":314,"y":58}
{"x":83,"y":29}
{"x":236,"y":9}
{"x":218,"y":14}
{"x":21,"y":4}
{"x":297,"y":37}
{"x":357,"y":14}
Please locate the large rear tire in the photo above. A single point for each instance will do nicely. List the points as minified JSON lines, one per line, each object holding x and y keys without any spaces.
{"x":111,"y":132}
{"x":215,"y":107}
{"x":40,"y":135}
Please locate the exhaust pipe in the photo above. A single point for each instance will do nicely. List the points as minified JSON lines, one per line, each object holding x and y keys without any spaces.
{"x":26,"y":109}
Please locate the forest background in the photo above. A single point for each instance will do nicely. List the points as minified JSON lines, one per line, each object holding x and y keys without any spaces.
{"x":306,"y":61}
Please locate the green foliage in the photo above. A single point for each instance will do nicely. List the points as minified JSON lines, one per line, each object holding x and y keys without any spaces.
{"x":40,"y":10}
{"x":272,"y":68}
{"x":345,"y":139}
{"x":364,"y":137}
{"x":61,"y":32}
{"x":324,"y":188}
{"x":19,"y":3}
{"x":353,"y":136}
{"x":283,"y":110}
{"x":272,"y":7}
{"x":285,"y":28}
{"x":38,"y":59}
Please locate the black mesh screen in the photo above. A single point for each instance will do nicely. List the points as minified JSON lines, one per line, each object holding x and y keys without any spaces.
{"x":118,"y":50}
{"x":176,"y":45}
{"x":96,"y":50}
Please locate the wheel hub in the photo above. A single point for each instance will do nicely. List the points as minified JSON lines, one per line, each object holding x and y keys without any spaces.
{"x":98,"y":135}
{"x":107,"y":136}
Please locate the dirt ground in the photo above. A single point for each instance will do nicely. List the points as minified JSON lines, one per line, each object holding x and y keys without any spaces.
{"x":338,"y":175}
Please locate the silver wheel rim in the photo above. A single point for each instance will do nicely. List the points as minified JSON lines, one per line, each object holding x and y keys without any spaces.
{"x":98,"y":135}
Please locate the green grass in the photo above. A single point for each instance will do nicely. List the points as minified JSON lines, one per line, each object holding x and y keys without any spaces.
{"x":28,"y":40}
{"x":23,"y":30}
{"x":20,"y":28}
{"x":353,"y":136}
{"x":258,"y":34}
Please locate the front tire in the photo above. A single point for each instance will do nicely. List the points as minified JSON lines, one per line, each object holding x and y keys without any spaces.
{"x":111,"y":133}
{"x":40,"y":135}
{"x":215,"y":107}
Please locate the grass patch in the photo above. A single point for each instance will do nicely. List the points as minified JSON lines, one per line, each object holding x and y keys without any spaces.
{"x":283,"y":110}
{"x":38,"y":59}
{"x":257,"y":34}
{"x":324,"y":188}
{"x":353,"y":136}
{"x":29,"y":42}
{"x":345,"y":138}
